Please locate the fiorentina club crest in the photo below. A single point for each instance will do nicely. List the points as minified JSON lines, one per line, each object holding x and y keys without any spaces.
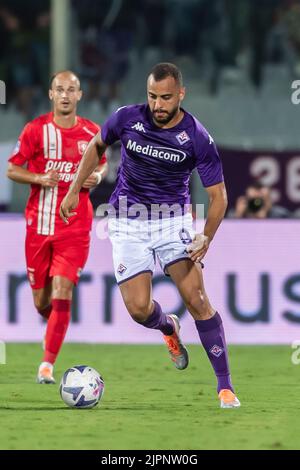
{"x":216,"y":350}
{"x":122,"y":269}
{"x":185,"y":237}
{"x":183,"y":137}
{"x":82,"y":145}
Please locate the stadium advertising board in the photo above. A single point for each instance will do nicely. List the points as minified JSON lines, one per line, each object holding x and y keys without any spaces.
{"x":278,"y":170}
{"x":251,"y":274}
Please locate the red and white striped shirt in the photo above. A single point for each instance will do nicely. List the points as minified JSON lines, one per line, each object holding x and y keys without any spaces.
{"x":44,"y":146}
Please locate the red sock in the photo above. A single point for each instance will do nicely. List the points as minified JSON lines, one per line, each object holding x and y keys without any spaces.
{"x":56,"y":328}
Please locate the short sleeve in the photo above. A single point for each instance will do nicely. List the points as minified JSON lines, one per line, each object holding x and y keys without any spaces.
{"x":24,"y":149}
{"x":111,"y":129}
{"x":209,"y":164}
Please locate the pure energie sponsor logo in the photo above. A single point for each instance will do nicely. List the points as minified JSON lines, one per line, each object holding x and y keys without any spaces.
{"x":65,"y":169}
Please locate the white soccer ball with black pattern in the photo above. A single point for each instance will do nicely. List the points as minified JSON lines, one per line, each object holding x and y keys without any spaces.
{"x":81,"y":387}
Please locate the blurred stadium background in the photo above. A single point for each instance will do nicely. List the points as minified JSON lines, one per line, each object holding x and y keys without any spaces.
{"x":239,"y":59}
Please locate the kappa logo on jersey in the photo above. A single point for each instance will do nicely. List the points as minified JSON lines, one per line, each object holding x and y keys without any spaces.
{"x":139,"y":127}
{"x":163,"y":153}
{"x":82,"y":145}
{"x":183,"y":137}
{"x":52,"y":142}
{"x":122,"y":269}
{"x":216,"y":350}
{"x":211,"y":140}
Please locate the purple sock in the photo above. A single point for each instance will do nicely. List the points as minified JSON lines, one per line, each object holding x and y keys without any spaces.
{"x":212,"y":336}
{"x":159,"y":321}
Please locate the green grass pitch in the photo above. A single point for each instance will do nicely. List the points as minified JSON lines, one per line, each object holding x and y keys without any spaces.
{"x":148,"y":404}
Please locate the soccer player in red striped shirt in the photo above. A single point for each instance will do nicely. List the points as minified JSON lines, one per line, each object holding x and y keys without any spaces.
{"x":47,"y":156}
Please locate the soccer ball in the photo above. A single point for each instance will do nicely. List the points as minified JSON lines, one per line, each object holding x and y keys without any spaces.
{"x":81,"y":387}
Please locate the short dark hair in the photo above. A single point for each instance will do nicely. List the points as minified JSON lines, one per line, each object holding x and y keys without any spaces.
{"x":166,"y":69}
{"x":59,"y":73}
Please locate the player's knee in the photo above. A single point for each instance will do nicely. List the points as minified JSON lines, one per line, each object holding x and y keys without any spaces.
{"x":139,"y":309}
{"x":61,"y":292}
{"x":198,"y":304}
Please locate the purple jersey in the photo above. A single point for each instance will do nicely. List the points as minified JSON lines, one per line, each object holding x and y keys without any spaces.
{"x":156,"y":164}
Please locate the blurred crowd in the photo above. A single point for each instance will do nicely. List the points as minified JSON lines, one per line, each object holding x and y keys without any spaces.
{"x":218,"y":34}
{"x":257,"y":203}
{"x":24,"y":51}
{"x":109,"y":35}
{"x":229,"y":34}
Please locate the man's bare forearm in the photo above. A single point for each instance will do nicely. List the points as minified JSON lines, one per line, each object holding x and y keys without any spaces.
{"x":21,"y":175}
{"x":89,"y":163}
{"x":216,"y":210}
{"x":215,"y":216}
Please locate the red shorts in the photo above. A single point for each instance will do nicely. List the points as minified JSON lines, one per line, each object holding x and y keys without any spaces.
{"x":63,"y":254}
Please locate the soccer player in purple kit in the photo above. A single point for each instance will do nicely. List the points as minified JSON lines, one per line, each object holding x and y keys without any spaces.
{"x":161,"y":145}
